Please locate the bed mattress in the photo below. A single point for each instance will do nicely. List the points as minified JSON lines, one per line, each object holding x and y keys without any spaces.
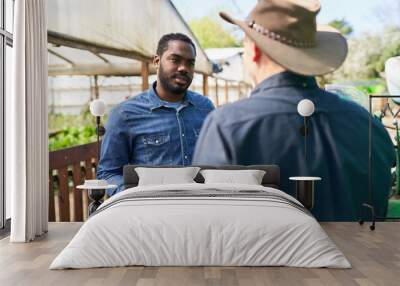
{"x":201,"y":225}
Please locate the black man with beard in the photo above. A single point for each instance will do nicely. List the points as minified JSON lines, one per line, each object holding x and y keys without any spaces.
{"x":159,"y":126}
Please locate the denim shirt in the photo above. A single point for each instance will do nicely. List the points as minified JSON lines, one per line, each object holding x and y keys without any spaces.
{"x":265,"y":129}
{"x":144,"y":130}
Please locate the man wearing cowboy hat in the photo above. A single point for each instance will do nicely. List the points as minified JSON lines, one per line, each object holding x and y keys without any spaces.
{"x":283,"y":50}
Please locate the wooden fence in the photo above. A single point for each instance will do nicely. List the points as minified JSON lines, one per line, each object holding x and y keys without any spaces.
{"x":68,"y":169}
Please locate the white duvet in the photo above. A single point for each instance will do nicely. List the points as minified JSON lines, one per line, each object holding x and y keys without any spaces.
{"x":207,"y":230}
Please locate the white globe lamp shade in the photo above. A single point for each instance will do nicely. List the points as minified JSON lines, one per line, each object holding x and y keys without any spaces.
{"x":305,"y":107}
{"x":97,"y":107}
{"x":392,"y":74}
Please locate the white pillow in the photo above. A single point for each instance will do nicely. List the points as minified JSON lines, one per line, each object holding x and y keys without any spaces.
{"x":166,"y":176}
{"x":248,"y":177}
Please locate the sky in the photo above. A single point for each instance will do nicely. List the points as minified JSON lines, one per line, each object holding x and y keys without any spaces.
{"x":363,"y":15}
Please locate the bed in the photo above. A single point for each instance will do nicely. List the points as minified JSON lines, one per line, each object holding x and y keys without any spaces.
{"x":201,"y":224}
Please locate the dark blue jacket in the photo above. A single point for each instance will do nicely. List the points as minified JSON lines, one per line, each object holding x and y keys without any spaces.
{"x":264,"y":129}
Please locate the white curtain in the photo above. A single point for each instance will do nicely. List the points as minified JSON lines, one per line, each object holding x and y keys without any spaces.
{"x":26,"y":127}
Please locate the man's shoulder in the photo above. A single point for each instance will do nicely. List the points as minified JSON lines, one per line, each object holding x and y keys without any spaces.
{"x":277,"y":103}
{"x":336,"y":103}
{"x":238,"y":112}
{"x":201,"y":101}
{"x":138,"y":99}
{"x":135,"y":104}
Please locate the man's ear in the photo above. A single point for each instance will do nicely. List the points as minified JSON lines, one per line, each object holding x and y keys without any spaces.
{"x":156,"y":61}
{"x":256,"y":53}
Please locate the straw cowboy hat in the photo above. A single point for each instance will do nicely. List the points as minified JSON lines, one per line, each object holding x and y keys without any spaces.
{"x":287,"y":32}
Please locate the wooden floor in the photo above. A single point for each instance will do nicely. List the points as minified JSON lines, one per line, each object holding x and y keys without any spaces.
{"x":375,"y":257}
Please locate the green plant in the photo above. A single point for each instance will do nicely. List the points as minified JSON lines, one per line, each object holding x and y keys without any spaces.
{"x":72,"y":136}
{"x":372,"y":89}
{"x":70,"y":130}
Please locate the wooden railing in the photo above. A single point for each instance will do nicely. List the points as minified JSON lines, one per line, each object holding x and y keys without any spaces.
{"x":68,"y":169}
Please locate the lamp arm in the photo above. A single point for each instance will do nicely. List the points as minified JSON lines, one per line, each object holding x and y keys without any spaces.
{"x":305,"y":140}
{"x":98,"y":138}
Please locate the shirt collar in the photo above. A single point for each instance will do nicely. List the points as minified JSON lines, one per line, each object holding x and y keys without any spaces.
{"x":285,"y":79}
{"x":156,"y":102}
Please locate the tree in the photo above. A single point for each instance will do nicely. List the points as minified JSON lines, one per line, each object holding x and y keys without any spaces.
{"x":211,"y":34}
{"x":342,"y":25}
{"x":367,"y":56}
{"x":392,"y":49}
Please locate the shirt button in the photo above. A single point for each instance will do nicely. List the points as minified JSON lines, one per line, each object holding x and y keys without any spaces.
{"x":183,"y":134}
{"x":304,"y":84}
{"x":156,"y":141}
{"x":186,"y":156}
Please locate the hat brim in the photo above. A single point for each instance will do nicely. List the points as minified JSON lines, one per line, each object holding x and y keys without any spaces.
{"x":326,"y":56}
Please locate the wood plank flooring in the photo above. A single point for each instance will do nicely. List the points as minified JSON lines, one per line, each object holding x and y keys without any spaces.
{"x":375,"y":257}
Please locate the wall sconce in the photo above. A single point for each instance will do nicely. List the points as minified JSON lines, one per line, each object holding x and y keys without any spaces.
{"x":305,"y":108}
{"x":97,"y":109}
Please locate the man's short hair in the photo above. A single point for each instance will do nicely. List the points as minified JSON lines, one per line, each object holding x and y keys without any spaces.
{"x":163,"y":42}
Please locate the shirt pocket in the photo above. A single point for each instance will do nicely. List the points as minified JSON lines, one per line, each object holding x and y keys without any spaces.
{"x":154,"y":149}
{"x":154,"y":140}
